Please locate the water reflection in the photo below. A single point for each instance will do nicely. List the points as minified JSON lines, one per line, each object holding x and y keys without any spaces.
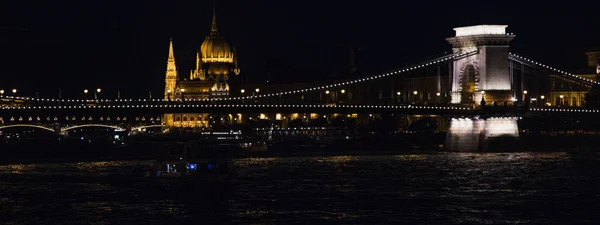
{"x":471,"y":135}
{"x":441,"y":188}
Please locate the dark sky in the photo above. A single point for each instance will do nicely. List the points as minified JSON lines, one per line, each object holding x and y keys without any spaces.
{"x":123,"y":45}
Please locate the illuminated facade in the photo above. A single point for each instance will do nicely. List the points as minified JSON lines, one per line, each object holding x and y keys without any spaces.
{"x":486,"y":73}
{"x":216,"y":62}
{"x":570,"y":93}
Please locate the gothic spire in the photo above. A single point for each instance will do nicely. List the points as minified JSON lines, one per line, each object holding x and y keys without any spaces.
{"x":171,"y":54}
{"x":213,"y":27}
{"x":171,"y":75}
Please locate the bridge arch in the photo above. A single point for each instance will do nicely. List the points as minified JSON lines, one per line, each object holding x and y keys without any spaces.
{"x":27,"y":125}
{"x":91,"y":125}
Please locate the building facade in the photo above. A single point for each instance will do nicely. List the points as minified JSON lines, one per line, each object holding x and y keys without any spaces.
{"x":216,"y":62}
{"x":569,"y":93}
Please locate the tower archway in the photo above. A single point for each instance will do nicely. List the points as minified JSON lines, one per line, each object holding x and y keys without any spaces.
{"x":468,"y":84}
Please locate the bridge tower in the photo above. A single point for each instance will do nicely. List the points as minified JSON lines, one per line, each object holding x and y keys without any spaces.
{"x":171,"y":76}
{"x":483,"y":74}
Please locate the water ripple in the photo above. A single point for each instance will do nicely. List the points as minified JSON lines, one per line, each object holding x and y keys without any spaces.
{"x":443,"y":188}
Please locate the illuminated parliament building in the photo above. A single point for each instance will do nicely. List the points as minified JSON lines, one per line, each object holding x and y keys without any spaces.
{"x":216,"y":62}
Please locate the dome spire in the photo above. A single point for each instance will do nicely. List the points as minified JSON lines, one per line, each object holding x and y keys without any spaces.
{"x":213,"y":27}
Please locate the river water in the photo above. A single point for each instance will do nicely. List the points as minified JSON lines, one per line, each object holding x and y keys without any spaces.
{"x":443,"y":188}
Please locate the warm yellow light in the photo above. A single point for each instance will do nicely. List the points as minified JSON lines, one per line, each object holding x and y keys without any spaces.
{"x":257,"y":90}
{"x":85,"y":91}
{"x":482,"y":92}
{"x":242,"y":91}
{"x":183,"y":90}
{"x":14,"y":91}
{"x":1,"y":92}
{"x":415,"y":92}
{"x":437,"y":94}
{"x":525,"y":92}
{"x":542,"y":97}
{"x":398,"y":93}
{"x":343,"y":91}
{"x":98,"y":90}
{"x":561,"y":96}
{"x":169,"y":91}
{"x":327,"y":92}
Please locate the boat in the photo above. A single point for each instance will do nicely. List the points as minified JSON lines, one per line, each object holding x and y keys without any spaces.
{"x":197,"y":163}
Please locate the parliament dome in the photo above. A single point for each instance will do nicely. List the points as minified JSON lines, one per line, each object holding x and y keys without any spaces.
{"x":215,"y":48}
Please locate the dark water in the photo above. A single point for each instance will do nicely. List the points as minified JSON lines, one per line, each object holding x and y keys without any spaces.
{"x":445,"y":188}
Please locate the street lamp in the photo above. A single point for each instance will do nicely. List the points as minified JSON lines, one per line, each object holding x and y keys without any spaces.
{"x":542,"y":97}
{"x":327,"y":92}
{"x":525,"y":92}
{"x":257,"y":90}
{"x":242,"y":91}
{"x":1,"y":92}
{"x":96,"y":93}
{"x":415,"y":92}
{"x":14,"y":91}
{"x":561,"y":99}
{"x":169,"y":94}
{"x":343,"y":91}
{"x":438,"y":94}
{"x":85,"y":91}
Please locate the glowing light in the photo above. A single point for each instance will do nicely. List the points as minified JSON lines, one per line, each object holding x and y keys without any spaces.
{"x":327,"y":92}
{"x":182,"y":90}
{"x":343,"y":91}
{"x":1,"y":92}
{"x":525,"y":92}
{"x":466,"y":134}
{"x":415,"y":92}
{"x":98,"y":90}
{"x":85,"y":91}
{"x":542,"y":97}
{"x":398,"y":93}
{"x":257,"y":90}
{"x":437,"y":94}
{"x":481,"y":30}
{"x":242,"y":91}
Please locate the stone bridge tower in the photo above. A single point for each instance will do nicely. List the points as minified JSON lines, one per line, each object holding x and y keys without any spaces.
{"x":484,"y":73}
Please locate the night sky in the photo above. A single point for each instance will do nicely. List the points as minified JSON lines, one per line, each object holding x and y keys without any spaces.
{"x":123,"y":45}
